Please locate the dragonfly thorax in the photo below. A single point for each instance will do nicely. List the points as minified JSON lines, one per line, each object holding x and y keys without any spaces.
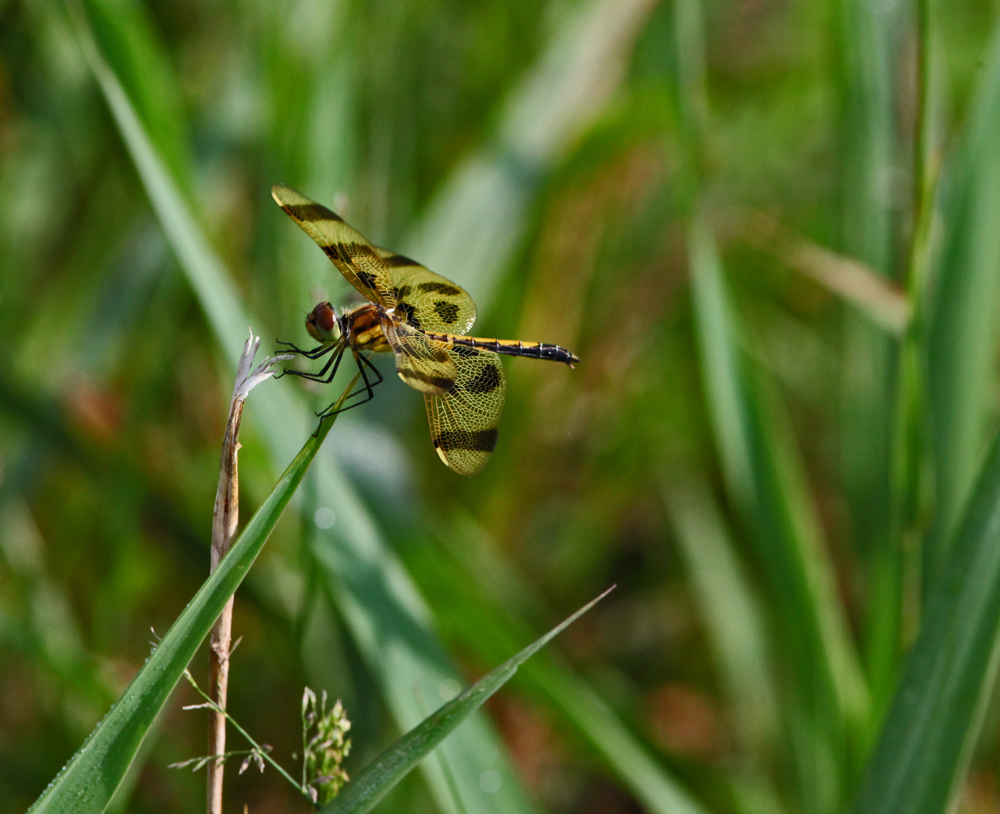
{"x":324,"y":325}
{"x":362,"y":326}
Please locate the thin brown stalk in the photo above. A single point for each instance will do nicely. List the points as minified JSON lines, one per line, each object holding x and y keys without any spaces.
{"x":224,"y":524}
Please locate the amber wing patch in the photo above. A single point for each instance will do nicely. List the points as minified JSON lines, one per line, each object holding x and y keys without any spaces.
{"x":464,"y":421}
{"x":350,"y":252}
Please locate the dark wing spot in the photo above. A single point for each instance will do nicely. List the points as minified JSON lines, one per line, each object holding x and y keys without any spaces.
{"x":408,"y":313}
{"x":480,"y":441}
{"x":367,"y":279}
{"x":401,"y":292}
{"x":448,"y":311}
{"x":441,"y":382}
{"x":311,"y":212}
{"x":346,"y":252}
{"x":487,"y":381}
{"x":399,"y":260}
{"x":439,"y":288}
{"x":464,"y":351}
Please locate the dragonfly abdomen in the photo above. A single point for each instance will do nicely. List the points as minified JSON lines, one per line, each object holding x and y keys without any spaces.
{"x":511,"y":347}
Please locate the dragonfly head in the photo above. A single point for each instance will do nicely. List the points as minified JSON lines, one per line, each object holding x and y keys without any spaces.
{"x":324,"y":325}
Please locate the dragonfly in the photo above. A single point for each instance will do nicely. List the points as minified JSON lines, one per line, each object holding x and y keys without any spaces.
{"x":423,"y":319}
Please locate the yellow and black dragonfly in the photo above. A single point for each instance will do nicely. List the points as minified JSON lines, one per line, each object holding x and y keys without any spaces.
{"x":424,"y":320}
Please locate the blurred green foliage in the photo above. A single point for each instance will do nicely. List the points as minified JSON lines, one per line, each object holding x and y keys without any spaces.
{"x":772,"y":478}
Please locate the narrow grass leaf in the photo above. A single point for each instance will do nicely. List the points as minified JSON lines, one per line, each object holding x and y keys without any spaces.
{"x":764,"y":476}
{"x":391,"y":624}
{"x":469,"y":589}
{"x":365,"y":790}
{"x":766,"y":482}
{"x":205,"y":271}
{"x":88,"y":782}
{"x":738,"y":635}
{"x":928,"y":736}
{"x":128,"y":39}
{"x":475,"y":224}
{"x":911,"y":442}
{"x":965,"y":279}
{"x":868,"y":46}
{"x":730,"y":612}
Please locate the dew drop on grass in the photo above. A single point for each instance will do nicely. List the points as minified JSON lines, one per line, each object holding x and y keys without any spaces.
{"x":324,"y":518}
{"x":448,"y":689}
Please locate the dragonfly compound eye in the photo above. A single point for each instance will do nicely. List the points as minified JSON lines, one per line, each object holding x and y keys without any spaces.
{"x":322,"y":323}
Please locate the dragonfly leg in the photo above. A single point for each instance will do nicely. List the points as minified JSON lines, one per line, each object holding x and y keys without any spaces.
{"x":314,"y":353}
{"x":324,"y":376}
{"x":362,"y":361}
{"x":379,"y":377}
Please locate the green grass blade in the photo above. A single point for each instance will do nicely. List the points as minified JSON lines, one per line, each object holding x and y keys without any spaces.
{"x":474,"y":225}
{"x":88,"y":782}
{"x":927,"y":739}
{"x":375,"y":595}
{"x":963,"y":328}
{"x":730,"y":611}
{"x":211,"y":283}
{"x":868,"y":46}
{"x":828,"y":697}
{"x":631,"y":760}
{"x":128,"y":39}
{"x":911,"y":441}
{"x":392,"y":625}
{"x":766,"y":482}
{"x":734,"y":621}
{"x":365,"y":790}
{"x":468,"y":590}
{"x":867,"y":78}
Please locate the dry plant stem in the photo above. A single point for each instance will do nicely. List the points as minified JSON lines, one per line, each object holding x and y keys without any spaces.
{"x":224,"y":522}
{"x":856,"y":282}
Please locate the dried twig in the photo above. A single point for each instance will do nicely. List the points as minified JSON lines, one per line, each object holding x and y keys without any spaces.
{"x":224,"y":522}
{"x":879,"y":298}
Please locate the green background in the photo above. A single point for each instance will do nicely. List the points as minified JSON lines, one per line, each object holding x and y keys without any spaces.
{"x":767,"y":459}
